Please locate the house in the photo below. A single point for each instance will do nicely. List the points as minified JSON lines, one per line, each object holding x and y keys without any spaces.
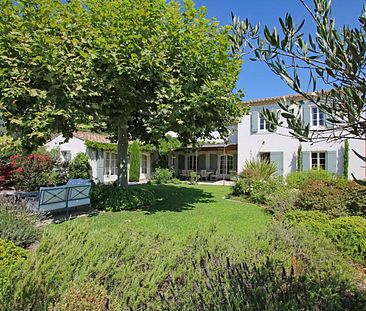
{"x":214,"y":159}
{"x":256,"y":142}
{"x":101,"y":152}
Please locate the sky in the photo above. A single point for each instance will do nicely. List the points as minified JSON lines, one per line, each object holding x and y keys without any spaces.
{"x":256,"y":79}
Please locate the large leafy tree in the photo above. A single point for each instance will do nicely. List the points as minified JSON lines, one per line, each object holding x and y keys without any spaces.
{"x":134,"y":69}
{"x":335,"y":57}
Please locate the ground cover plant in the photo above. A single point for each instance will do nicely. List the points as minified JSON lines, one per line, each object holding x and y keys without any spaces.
{"x":17,"y":224}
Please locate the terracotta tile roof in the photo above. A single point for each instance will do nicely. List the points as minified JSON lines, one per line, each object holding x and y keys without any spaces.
{"x":99,"y":138}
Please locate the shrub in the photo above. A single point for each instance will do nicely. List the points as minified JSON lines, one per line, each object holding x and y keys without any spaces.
{"x":6,"y":171}
{"x":298,"y":179}
{"x":17,"y":224}
{"x":283,"y":200}
{"x":258,"y":169}
{"x":283,"y":269}
{"x":111,"y":198}
{"x":354,"y":197}
{"x":193,"y":177}
{"x":32,"y":171}
{"x":257,"y":191}
{"x":10,"y":256}
{"x":347,"y":233}
{"x":162,"y":176}
{"x":135,"y":158}
{"x":79,"y":167}
{"x":89,"y":296}
{"x":322,"y":196}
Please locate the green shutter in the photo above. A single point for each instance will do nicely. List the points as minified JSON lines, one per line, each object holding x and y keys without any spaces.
{"x":306,"y":161}
{"x":254,"y":121}
{"x":100,"y":166}
{"x":331,"y":161}
{"x":277,"y":158}
{"x":306,"y":116}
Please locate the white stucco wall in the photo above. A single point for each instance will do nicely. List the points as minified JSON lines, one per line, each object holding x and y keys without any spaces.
{"x":250,"y":144}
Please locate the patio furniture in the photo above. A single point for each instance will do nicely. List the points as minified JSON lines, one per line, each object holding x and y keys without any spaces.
{"x":74,"y":194}
{"x":215,"y":176}
{"x":204,"y":175}
{"x":184,"y":174}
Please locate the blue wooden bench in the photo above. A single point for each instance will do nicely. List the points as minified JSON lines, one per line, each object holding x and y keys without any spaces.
{"x":74,"y":194}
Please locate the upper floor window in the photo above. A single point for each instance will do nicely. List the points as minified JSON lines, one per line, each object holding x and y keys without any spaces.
{"x":317,"y":117}
{"x":263,"y":124}
{"x":318,"y":160}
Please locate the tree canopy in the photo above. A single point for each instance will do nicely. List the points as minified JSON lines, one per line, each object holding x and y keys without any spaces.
{"x":135,"y":70}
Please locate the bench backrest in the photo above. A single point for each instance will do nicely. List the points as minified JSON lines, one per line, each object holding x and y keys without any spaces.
{"x":63,"y":197}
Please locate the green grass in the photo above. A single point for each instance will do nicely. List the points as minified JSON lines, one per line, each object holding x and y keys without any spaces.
{"x":182,"y":210}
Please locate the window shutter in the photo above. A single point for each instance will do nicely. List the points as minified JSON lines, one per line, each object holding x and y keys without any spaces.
{"x":331,"y":161}
{"x":277,"y":158}
{"x":254,"y":121}
{"x":306,"y":115}
{"x":235,"y":162}
{"x":306,"y":166}
{"x":100,"y":166}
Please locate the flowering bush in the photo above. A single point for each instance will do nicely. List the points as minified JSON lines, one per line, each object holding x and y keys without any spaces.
{"x":32,"y":171}
{"x":5,"y":175}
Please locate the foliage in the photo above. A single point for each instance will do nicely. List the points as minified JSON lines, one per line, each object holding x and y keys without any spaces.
{"x":322,"y":196}
{"x":298,"y":179}
{"x":257,"y":191}
{"x":8,"y":146}
{"x":88,"y":296}
{"x":141,"y":89}
{"x":135,"y":159}
{"x":32,"y":171}
{"x":335,"y":57}
{"x":355,"y":197}
{"x":299,"y":158}
{"x":347,"y":233}
{"x":258,"y":169}
{"x":101,"y":146}
{"x":276,"y":270}
{"x":162,"y":176}
{"x":346,"y":159}
{"x":10,"y":256}
{"x":79,"y":167}
{"x":6,"y":172}
{"x":282,"y":200}
{"x":17,"y":224}
{"x":193,"y":177}
{"x":111,"y":198}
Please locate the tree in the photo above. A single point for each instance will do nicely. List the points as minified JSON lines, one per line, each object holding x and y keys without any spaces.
{"x":135,"y":69}
{"x":135,"y":158}
{"x":335,"y":57}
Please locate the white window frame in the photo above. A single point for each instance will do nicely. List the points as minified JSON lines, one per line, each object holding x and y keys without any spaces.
{"x":317,"y":120}
{"x":191,"y":162}
{"x":144,"y":163}
{"x":318,"y":164}
{"x":110,"y":164}
{"x":226,"y":162}
{"x":263,"y":121}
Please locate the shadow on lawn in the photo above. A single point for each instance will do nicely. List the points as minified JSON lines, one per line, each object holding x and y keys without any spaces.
{"x":177,"y":199}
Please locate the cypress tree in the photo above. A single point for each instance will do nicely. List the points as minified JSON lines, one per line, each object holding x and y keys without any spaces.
{"x":135,"y":155}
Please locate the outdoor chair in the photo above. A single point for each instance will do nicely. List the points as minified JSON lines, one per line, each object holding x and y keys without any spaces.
{"x":215,"y":176}
{"x":204,"y":174}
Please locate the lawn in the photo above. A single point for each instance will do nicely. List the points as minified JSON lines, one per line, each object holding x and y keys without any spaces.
{"x":181,"y":210}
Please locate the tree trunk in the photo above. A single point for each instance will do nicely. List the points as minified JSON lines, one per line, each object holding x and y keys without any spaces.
{"x":122,"y":157}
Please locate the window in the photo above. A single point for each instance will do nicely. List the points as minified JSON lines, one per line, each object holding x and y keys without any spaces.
{"x":110,"y":163}
{"x":318,"y":160}
{"x":317,"y":117}
{"x":226,"y":164}
{"x":66,"y":154}
{"x":192,"y":161}
{"x":263,"y":124}
{"x":144,"y":164}
{"x":265,"y":156}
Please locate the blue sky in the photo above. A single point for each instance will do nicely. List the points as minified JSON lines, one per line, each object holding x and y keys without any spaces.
{"x":256,"y":79}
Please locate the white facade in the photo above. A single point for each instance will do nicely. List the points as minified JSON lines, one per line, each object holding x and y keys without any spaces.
{"x":255,"y":141}
{"x":98,"y":159}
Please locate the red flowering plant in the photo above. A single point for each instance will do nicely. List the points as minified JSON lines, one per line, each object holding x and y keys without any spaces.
{"x":32,"y":171}
{"x":6,"y":170}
